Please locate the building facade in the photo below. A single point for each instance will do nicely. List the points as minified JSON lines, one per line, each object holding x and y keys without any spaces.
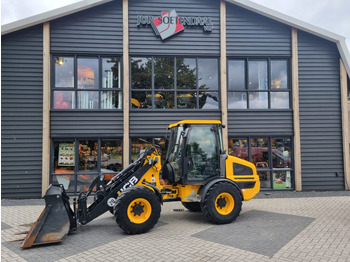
{"x":85,"y":87}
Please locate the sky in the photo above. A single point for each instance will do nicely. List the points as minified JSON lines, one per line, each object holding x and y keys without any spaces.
{"x":332,"y":15}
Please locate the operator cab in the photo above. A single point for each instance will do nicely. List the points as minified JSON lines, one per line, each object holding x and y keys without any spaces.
{"x":194,"y":150}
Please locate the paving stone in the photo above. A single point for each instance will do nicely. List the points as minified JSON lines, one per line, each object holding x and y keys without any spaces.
{"x":92,"y":235}
{"x":318,"y":228}
{"x":257,"y":231}
{"x":4,"y":226}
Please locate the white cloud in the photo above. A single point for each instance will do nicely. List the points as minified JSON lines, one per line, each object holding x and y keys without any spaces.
{"x":13,"y":10}
{"x":332,"y":15}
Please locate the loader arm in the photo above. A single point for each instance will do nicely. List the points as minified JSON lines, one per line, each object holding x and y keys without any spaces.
{"x":105,"y":199}
{"x":58,"y":219}
{"x":99,"y":207}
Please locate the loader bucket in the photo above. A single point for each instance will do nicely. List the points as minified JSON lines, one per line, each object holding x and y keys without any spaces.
{"x":55,"y":222}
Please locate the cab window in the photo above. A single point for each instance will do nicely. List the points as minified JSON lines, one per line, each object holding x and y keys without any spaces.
{"x":203,"y":152}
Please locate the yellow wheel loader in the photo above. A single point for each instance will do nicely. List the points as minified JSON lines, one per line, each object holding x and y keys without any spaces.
{"x":196,"y":172}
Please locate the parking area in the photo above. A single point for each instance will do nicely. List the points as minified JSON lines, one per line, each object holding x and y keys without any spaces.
{"x":275,"y":226}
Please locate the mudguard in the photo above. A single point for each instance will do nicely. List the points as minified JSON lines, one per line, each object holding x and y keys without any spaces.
{"x":204,"y":190}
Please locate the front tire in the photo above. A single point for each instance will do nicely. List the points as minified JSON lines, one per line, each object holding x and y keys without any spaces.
{"x":222,"y":203}
{"x":137,"y":210}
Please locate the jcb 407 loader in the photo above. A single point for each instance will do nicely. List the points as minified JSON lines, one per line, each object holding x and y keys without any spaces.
{"x":196,"y":172}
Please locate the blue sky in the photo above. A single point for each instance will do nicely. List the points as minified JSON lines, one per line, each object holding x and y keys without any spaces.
{"x":332,"y":15}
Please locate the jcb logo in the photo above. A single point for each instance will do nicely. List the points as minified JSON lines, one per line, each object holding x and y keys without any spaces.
{"x":130,"y":183}
{"x":111,"y":202}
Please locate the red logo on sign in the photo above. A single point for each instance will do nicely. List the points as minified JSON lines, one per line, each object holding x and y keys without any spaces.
{"x":167,"y":24}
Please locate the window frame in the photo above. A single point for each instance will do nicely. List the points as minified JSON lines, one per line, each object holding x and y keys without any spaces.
{"x":153,"y":142}
{"x":75,"y":88}
{"x":175,"y":90}
{"x":269,"y":90}
{"x":76,"y":170}
{"x":270,"y":167}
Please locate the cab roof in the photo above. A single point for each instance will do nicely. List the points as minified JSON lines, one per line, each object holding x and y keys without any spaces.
{"x":197,"y":122}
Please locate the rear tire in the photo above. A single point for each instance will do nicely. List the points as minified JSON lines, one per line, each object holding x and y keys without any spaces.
{"x":192,"y":206}
{"x":137,"y":210}
{"x":222,"y":203}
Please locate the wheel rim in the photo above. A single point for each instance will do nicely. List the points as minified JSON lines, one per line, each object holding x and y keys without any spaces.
{"x":139,"y":210}
{"x":224,"y":203}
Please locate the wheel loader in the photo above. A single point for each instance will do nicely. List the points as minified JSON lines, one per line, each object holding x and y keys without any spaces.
{"x":195,"y":171}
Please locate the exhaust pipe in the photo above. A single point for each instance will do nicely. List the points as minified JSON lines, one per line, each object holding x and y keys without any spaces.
{"x":55,"y":222}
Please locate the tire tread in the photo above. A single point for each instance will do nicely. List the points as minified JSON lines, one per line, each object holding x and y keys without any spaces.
{"x":207,"y":206}
{"x":123,"y":200}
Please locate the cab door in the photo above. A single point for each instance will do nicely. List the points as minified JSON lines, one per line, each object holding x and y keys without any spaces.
{"x":202,"y":154}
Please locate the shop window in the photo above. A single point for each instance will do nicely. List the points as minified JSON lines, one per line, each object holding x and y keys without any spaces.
{"x":186,"y":72}
{"x":257,"y":79}
{"x":238,"y":148}
{"x":282,"y":179}
{"x":67,"y":181}
{"x":176,"y":83}
{"x":141,"y":68}
{"x":265,"y":179}
{"x":272,"y":157}
{"x":237,"y":100}
{"x":279,"y":69}
{"x":86,"y":83}
{"x":164,"y":73}
{"x":64,"y":72}
{"x":281,"y":153}
{"x":88,"y":73}
{"x":260,"y":152}
{"x":208,"y":100}
{"x":64,"y":157}
{"x":141,"y":143}
{"x":111,"y":155}
{"x":258,"y":84}
{"x":64,"y":99}
{"x":88,"y":155}
{"x":77,"y":162}
{"x":64,"y":164}
{"x":258,"y":100}
{"x":186,"y":99}
{"x":208,"y":79}
{"x":279,"y":100}
{"x":281,"y":160}
{"x":236,"y":77}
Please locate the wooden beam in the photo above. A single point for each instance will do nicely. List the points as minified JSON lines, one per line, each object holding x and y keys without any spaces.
{"x":46,"y":110}
{"x":126,"y":99}
{"x":223,"y":72}
{"x":345,"y":124}
{"x":296,"y":117}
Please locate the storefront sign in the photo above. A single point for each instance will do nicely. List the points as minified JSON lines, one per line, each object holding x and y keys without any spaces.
{"x":66,"y":155}
{"x":169,"y":23}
